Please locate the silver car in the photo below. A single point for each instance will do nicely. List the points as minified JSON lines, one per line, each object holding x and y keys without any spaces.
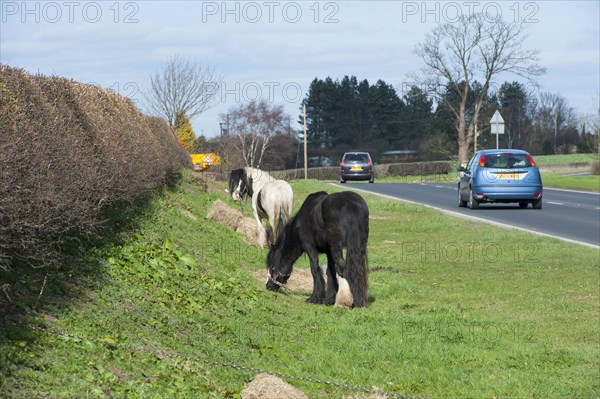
{"x":357,"y":166}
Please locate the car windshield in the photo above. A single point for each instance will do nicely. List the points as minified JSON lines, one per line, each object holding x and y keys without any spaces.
{"x":362,"y":158}
{"x":507,"y":161}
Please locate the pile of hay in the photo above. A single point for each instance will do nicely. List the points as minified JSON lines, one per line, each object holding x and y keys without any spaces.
{"x":301,"y":280}
{"x":222,"y":213}
{"x":265,"y":386}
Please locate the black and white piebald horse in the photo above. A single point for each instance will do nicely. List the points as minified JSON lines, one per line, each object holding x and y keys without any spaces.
{"x":326,"y":224}
{"x":271,"y":199}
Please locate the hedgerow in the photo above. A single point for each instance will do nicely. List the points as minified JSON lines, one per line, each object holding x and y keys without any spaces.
{"x":381,"y":171}
{"x":68,"y":152}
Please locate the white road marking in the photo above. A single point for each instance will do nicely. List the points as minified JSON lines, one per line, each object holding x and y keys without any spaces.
{"x":572,"y":191}
{"x":470,"y":217}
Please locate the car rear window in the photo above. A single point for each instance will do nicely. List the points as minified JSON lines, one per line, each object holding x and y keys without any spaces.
{"x":364,"y":158}
{"x":507,"y":161}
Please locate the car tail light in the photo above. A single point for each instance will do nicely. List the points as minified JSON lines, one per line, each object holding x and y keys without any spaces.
{"x":343,"y":162}
{"x":482,"y":160}
{"x":370,"y":163}
{"x":537,"y":195}
{"x":531,"y":161}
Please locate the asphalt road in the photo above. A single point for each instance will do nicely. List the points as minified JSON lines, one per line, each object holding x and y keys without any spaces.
{"x":568,"y":215}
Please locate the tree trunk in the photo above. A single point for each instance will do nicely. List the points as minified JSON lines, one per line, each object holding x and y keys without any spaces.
{"x":463,"y":136}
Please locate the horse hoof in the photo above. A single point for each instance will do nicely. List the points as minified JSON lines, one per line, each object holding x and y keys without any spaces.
{"x":316,"y":301}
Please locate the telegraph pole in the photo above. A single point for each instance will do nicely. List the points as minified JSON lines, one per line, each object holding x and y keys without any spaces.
{"x":305,"y":151}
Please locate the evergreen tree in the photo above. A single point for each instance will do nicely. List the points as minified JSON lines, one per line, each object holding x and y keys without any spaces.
{"x":320,"y":109}
{"x":352,"y":114}
{"x":386,"y":109}
{"x":416,"y":117}
{"x":513,"y":102}
{"x":184,"y":131}
{"x":201,"y":145}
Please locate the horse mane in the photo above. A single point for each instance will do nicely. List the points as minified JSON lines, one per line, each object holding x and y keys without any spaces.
{"x":256,"y":178}
{"x":286,"y":249}
{"x":256,"y":173}
{"x":234,"y":177}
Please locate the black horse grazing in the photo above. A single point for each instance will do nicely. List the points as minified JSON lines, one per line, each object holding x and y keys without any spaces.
{"x":325,"y":224}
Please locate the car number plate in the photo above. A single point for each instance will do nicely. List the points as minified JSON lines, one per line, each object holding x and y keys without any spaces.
{"x":356,"y":168}
{"x":514,"y":176}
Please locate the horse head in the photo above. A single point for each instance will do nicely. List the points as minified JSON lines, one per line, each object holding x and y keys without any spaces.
{"x":279,"y":268}
{"x":239,"y":184}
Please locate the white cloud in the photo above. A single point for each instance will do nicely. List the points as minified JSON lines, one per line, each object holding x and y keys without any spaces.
{"x":272,"y":42}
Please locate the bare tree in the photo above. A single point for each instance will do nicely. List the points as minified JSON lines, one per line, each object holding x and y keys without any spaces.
{"x":255,"y":124}
{"x":476,"y":48}
{"x":591,"y":121}
{"x":182,"y":86}
{"x":555,"y":114}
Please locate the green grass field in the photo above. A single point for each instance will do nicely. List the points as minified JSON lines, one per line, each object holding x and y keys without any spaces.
{"x":588,"y":182}
{"x":564,"y":159}
{"x":461,"y":309}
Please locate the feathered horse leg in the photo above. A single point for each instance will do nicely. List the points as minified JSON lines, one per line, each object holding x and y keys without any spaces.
{"x":318,"y":295}
{"x":261,"y":232}
{"x":343,"y":295}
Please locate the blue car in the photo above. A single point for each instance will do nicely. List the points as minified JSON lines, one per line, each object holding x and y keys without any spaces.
{"x":500,"y":176}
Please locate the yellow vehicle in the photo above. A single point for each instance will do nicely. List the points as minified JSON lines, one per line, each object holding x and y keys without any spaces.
{"x":203,"y":161}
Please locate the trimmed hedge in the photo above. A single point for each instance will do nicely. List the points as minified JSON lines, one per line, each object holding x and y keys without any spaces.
{"x":67,"y":152}
{"x":381,"y":171}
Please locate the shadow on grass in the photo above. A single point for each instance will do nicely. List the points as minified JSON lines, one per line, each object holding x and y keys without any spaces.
{"x":32,"y":294}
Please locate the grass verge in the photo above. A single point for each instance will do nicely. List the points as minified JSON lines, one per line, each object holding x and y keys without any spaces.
{"x":458,"y":309}
{"x":559,"y":180}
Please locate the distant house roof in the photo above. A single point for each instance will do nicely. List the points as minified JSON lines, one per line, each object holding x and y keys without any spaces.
{"x":400,"y":152}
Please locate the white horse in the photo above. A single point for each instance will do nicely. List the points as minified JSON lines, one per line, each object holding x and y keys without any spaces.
{"x":271,"y":199}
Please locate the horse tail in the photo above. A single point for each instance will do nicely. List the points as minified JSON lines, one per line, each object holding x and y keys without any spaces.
{"x":283,"y":215}
{"x":356,"y":260}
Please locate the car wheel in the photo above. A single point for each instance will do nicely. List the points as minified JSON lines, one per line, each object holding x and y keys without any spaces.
{"x":461,"y":203}
{"x":523,"y":204}
{"x":537,"y":204}
{"x":473,"y":203}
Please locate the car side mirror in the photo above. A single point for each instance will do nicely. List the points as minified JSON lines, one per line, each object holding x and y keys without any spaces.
{"x":461,"y":168}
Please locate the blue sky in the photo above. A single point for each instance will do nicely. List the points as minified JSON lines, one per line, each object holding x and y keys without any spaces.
{"x":274,"y":49}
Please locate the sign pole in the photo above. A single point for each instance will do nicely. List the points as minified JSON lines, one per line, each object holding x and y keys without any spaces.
{"x":497,"y":127}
